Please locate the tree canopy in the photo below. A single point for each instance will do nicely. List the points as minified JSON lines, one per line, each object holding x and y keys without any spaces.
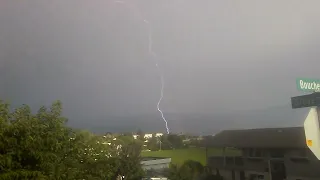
{"x":41,"y":146}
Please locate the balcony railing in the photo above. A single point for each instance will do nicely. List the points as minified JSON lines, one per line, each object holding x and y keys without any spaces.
{"x":237,"y":162}
{"x":226,"y":162}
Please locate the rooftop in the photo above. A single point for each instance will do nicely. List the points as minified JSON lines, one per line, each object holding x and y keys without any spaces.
{"x":291,"y":137}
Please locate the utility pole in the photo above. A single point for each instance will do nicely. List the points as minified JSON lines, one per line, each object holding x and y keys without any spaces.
{"x":160,"y":144}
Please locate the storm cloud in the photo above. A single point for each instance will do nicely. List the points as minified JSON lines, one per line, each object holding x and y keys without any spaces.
{"x":223,"y":61}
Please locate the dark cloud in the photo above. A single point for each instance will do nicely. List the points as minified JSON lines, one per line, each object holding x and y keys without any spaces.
{"x":217,"y":57}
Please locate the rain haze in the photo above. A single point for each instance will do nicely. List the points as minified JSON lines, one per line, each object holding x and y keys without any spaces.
{"x":226,"y":64}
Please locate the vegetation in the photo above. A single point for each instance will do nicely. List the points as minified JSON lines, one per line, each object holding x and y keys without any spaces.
{"x":41,"y":146}
{"x":165,"y":142}
{"x":191,"y":170}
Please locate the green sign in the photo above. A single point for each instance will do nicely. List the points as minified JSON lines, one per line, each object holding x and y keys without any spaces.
{"x":309,"y":85}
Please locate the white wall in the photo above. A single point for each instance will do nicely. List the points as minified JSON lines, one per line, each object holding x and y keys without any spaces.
{"x":157,"y":164}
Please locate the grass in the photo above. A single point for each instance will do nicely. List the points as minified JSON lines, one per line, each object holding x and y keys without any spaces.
{"x":178,"y":156}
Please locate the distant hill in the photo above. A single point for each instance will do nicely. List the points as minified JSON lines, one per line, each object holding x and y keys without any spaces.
{"x":282,"y":116}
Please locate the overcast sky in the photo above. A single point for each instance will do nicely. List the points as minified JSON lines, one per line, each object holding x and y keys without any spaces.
{"x":215,"y":55}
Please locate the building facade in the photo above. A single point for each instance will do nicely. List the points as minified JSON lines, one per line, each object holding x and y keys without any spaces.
{"x":266,"y":154}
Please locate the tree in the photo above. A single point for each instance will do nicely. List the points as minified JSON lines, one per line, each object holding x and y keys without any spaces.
{"x":130,"y":159}
{"x":140,"y":134}
{"x":96,"y":160}
{"x":179,"y":173}
{"x":165,"y":144}
{"x":153,"y":144}
{"x":31,"y":142}
{"x":175,"y":141}
{"x":210,"y":176}
{"x":191,"y":170}
{"x":195,"y":167}
{"x":41,"y":146}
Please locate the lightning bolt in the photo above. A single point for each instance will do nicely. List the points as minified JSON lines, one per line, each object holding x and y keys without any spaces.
{"x":154,"y":56}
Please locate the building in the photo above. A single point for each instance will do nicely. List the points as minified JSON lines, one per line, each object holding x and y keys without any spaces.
{"x":266,"y":154}
{"x":135,"y":136}
{"x":147,"y":136}
{"x":159,"y":134}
